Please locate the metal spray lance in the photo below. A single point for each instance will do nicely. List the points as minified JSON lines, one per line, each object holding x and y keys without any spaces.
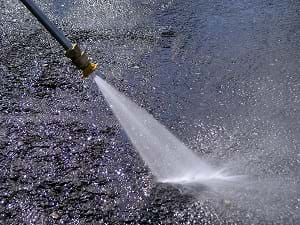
{"x":73,"y":51}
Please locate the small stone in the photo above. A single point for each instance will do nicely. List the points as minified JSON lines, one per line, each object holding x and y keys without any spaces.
{"x":227,"y":203}
{"x":55,"y":215}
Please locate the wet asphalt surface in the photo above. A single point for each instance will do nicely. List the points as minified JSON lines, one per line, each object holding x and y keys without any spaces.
{"x":222,"y":75}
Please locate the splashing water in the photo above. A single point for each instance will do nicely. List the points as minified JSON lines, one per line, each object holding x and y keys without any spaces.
{"x":172,"y":162}
{"x":168,"y":158}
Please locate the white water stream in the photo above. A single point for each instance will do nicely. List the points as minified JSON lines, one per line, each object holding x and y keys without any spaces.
{"x":166,"y":156}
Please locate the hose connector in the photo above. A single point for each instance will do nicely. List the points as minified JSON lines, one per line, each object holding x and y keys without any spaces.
{"x":81,"y":60}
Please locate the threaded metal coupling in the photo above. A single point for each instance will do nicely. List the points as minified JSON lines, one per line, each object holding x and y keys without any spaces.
{"x":81,"y":60}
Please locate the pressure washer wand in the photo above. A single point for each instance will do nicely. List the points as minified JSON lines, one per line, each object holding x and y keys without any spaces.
{"x":73,"y":51}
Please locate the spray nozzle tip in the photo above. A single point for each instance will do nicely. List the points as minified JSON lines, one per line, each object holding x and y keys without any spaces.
{"x":89,"y":69}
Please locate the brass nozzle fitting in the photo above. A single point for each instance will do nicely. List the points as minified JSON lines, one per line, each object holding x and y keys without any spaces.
{"x":81,"y":60}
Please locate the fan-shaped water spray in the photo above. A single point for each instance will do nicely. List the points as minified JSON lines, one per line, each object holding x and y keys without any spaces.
{"x":168,"y":158}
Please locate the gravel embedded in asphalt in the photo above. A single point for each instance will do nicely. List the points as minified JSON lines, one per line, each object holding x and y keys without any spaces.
{"x":222,"y":75}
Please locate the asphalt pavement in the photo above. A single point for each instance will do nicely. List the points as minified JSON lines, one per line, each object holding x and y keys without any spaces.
{"x":222,"y":75}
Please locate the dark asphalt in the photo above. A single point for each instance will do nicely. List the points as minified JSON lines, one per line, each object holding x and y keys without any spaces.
{"x":223,"y":75}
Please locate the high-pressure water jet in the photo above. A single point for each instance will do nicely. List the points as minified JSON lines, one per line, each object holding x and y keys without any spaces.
{"x":168,"y":158}
{"x":79,"y":58}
